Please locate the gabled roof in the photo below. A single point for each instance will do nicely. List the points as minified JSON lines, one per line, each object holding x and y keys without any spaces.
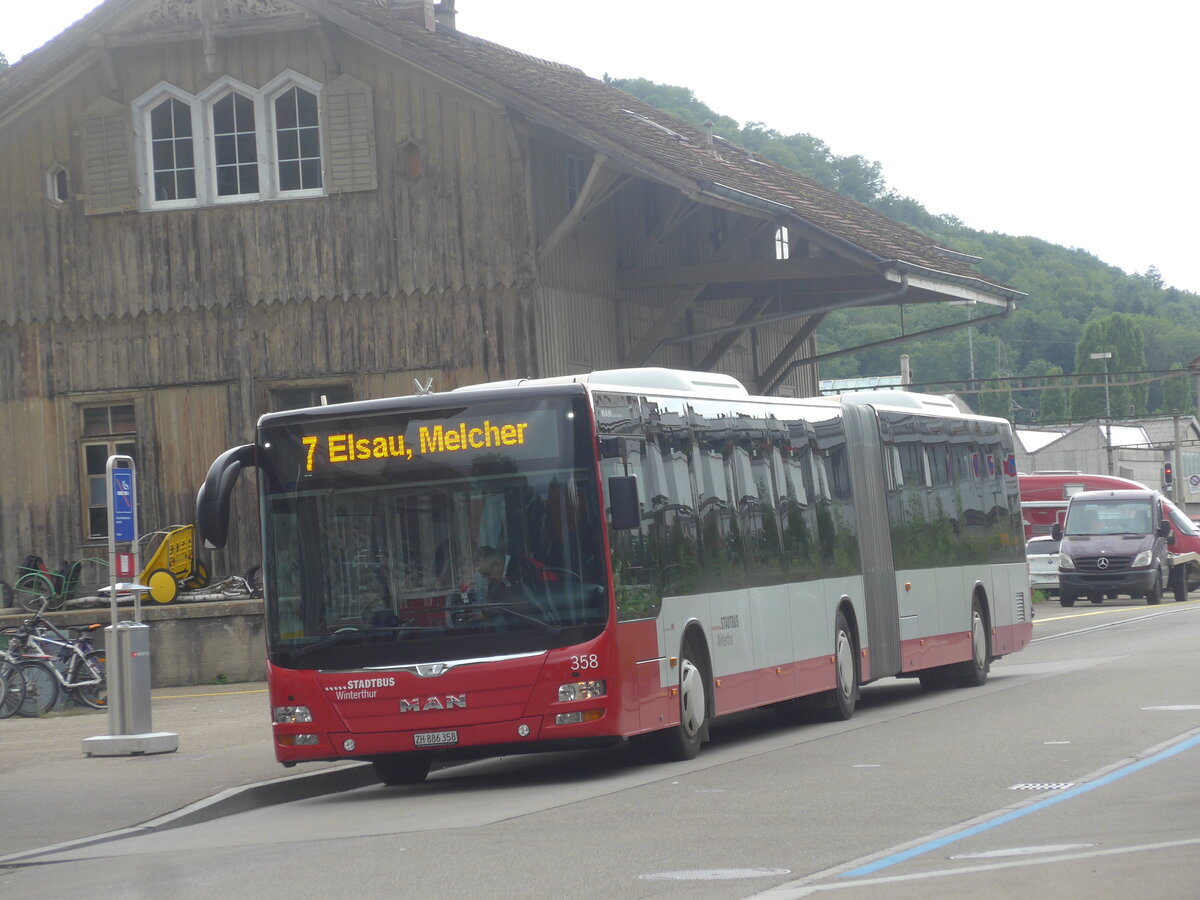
{"x":635,"y":136}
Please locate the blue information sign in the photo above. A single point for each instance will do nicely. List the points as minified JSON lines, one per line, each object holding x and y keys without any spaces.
{"x":124,"y":528}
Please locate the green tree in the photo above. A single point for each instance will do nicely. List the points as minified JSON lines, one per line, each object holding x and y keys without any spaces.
{"x":3,"y":61}
{"x":1054,"y":405}
{"x":996,"y":403}
{"x":1177,"y":394}
{"x":1122,"y":336}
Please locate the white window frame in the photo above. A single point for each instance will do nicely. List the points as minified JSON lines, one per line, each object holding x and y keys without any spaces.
{"x":208,"y":98}
{"x":204,"y":148}
{"x":271,"y":91}
{"x":144,"y":145}
{"x":52,"y":191}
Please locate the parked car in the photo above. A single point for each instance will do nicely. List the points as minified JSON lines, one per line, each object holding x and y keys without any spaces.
{"x":1042,"y":553}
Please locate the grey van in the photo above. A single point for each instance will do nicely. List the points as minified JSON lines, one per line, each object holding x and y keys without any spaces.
{"x":1113,"y":543}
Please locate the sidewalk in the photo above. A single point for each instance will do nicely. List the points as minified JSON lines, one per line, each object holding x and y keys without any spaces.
{"x":225,"y":763}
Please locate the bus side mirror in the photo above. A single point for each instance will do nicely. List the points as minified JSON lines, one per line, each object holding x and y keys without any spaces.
{"x":623,"y":502}
{"x":212,"y":502}
{"x":1056,"y":531}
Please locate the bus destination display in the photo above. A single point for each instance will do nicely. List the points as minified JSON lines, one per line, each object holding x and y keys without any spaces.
{"x":361,"y":442}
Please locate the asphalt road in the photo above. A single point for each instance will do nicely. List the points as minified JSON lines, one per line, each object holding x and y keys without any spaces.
{"x":1072,"y":773}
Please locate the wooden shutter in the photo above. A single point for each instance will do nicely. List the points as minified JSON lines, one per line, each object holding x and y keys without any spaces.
{"x":107,"y":138}
{"x":349,"y":120}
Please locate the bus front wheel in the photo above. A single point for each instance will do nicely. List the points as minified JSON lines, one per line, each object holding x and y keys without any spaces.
{"x":683,"y":741}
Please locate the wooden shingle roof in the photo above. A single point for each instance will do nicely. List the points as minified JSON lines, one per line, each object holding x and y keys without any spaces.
{"x":635,"y":136}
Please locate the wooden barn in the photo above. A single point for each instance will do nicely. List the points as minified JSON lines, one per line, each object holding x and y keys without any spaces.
{"x":214,"y":208}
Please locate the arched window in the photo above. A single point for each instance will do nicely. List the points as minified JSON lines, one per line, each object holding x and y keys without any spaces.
{"x":230,"y":143}
{"x":235,"y":145}
{"x":169,"y":143}
{"x":298,"y":140}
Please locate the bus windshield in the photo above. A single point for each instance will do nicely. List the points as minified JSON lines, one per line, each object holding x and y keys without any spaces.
{"x":423,"y":535}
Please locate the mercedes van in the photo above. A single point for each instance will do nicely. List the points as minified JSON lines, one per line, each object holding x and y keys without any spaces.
{"x":1113,"y":543}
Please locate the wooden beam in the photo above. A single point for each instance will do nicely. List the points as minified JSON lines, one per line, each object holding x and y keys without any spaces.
{"x":727,"y":340}
{"x":602,"y":182}
{"x":784,"y":358}
{"x":683,"y":208}
{"x":742,"y":231}
{"x":757,"y":271}
{"x":649,"y":342}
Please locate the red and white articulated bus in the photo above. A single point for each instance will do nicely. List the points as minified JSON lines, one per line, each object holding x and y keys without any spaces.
{"x":673,"y":549}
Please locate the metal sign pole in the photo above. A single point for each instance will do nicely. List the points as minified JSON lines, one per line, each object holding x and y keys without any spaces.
{"x":127,"y":644}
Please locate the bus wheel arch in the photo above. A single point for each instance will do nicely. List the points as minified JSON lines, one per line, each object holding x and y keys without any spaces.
{"x":696,"y":701}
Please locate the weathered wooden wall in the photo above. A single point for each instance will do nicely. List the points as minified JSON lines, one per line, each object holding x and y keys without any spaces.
{"x":458,"y":226}
{"x":193,"y":315}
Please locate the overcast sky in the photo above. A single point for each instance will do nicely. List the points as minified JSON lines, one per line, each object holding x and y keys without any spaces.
{"x":1069,"y":121}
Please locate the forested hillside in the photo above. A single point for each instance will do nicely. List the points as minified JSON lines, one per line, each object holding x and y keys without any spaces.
{"x":1077,"y":304}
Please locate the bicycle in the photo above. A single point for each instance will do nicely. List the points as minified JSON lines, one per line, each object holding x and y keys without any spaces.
{"x":12,"y":684}
{"x":39,"y":588}
{"x":52,"y":662}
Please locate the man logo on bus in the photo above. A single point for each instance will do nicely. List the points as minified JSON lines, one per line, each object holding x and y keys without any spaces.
{"x":450,"y":701}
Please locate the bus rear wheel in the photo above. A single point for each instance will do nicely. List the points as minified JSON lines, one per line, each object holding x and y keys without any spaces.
{"x":402,"y":768}
{"x":974,"y":672}
{"x":845,"y":663}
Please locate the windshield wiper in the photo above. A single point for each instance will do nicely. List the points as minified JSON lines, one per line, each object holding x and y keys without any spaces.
{"x":541,"y":623}
{"x":346,"y":634}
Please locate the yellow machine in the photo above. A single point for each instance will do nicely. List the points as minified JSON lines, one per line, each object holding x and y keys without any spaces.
{"x":173,"y":566}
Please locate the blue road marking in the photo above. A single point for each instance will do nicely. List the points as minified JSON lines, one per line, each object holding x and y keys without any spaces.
{"x":1116,"y":774}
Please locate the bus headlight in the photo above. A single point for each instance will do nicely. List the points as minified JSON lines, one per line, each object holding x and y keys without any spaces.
{"x":1143,"y":559}
{"x":1065,"y":562}
{"x":292,"y":715}
{"x":581,"y":690}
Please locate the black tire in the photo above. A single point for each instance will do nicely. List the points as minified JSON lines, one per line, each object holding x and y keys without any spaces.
{"x":934,"y":679}
{"x":1067,"y":600}
{"x":93,"y":695}
{"x":974,"y":672}
{"x":402,"y":768}
{"x":845,"y":665}
{"x":253,"y":577}
{"x":1096,"y":598}
{"x":1156,"y":593}
{"x":12,"y":688}
{"x":683,"y":741}
{"x":41,"y":688}
{"x":1179,"y":583}
{"x":35,"y":593}
{"x":199,"y":576}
